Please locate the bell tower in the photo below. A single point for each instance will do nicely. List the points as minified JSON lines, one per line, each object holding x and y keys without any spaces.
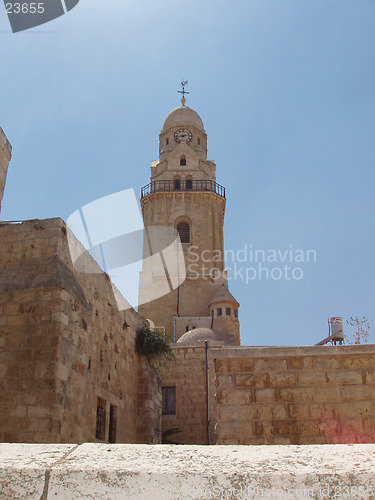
{"x":183,"y":196}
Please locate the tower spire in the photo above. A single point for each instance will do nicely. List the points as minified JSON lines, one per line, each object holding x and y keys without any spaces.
{"x":183,"y":91}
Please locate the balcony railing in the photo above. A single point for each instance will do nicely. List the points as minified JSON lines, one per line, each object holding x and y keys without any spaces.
{"x":182,"y":185}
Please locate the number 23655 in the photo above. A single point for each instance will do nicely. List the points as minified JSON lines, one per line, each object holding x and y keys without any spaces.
{"x":24,"y":8}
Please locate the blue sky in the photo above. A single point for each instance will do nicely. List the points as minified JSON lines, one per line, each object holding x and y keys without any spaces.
{"x":286,"y":91}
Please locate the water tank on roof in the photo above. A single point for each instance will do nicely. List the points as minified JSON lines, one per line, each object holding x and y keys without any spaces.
{"x":336,"y":329}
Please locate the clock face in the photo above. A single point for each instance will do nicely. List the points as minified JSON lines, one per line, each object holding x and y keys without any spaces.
{"x":183,"y":135}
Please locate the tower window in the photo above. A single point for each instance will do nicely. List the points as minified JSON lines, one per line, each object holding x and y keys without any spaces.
{"x":220,"y":311}
{"x":183,"y":230}
{"x":227,"y":311}
{"x":199,"y":140}
{"x":183,"y":160}
{"x":189,"y":184}
{"x":167,"y":141}
{"x":235,"y":313}
{"x":168,"y":395}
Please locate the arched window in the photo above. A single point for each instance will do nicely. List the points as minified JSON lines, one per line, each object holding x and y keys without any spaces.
{"x":183,"y":230}
{"x":177,"y":184}
{"x":189,"y":184}
{"x":183,"y":160}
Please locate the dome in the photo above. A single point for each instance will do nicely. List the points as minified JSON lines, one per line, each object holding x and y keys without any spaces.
{"x":183,"y":116}
{"x":200,"y":335}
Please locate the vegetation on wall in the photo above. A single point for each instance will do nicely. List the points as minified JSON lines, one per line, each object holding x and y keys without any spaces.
{"x":154,"y":345}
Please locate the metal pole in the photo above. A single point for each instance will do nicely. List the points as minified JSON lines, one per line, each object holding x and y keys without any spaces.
{"x":207,"y":394}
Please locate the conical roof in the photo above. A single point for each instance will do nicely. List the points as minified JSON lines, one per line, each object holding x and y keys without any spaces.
{"x":223,"y":295}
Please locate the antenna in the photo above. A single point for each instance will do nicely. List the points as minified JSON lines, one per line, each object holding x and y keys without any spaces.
{"x":183,"y":91}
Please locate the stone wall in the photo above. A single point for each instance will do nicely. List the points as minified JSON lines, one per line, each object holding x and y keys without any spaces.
{"x":295,"y":395}
{"x":139,"y":472}
{"x":64,"y":344}
{"x":5,"y":156}
{"x":148,"y":404}
{"x":273,"y":395}
{"x":187,"y":373}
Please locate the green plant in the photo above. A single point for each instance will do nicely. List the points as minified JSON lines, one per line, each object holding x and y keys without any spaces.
{"x":362,"y":328}
{"x":154,"y":345}
{"x":166,"y":434}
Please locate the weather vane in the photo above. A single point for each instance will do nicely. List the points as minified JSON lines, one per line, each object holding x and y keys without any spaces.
{"x":183,"y":91}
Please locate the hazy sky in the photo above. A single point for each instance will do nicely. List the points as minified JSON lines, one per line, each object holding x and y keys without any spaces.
{"x":286,"y":91}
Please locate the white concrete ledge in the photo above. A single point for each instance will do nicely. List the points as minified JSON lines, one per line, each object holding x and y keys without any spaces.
{"x":121,"y":472}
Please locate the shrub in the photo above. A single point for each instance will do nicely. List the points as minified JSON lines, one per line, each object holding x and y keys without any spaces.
{"x":154,"y":345}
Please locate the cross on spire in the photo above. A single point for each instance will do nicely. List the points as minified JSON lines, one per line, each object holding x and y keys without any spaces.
{"x":183,"y":91}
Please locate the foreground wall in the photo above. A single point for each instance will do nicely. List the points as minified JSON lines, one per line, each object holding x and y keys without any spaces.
{"x":113,"y":472}
{"x":64,"y":343}
{"x":5,"y":156}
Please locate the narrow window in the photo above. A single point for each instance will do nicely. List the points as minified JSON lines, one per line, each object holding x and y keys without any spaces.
{"x":187,"y":328}
{"x":167,"y":141}
{"x":199,"y":141}
{"x":100,"y":419}
{"x":189,"y":184}
{"x":235,"y":313}
{"x":183,"y":160}
{"x":168,"y":395}
{"x":219,"y":311}
{"x":227,"y":311}
{"x":177,"y":184}
{"x":112,"y":424}
{"x":183,"y":230}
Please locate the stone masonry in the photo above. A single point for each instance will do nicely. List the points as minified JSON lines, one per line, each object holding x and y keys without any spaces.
{"x":5,"y":156}
{"x":64,"y":344}
{"x":273,"y":395}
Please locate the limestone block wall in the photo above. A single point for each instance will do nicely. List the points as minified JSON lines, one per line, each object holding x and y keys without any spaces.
{"x":148,"y":404}
{"x":295,"y":395}
{"x":63,"y":345}
{"x":5,"y":156}
{"x":126,"y":471}
{"x":187,"y":373}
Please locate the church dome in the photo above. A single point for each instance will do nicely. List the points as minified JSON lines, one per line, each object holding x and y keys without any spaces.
{"x":200,"y":335}
{"x":181,"y":117}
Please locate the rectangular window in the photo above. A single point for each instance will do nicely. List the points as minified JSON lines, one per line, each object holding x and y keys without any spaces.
{"x":227,"y":311}
{"x":112,"y":424}
{"x":100,"y":419}
{"x":219,"y":311}
{"x":235,"y":313}
{"x":168,"y":400}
